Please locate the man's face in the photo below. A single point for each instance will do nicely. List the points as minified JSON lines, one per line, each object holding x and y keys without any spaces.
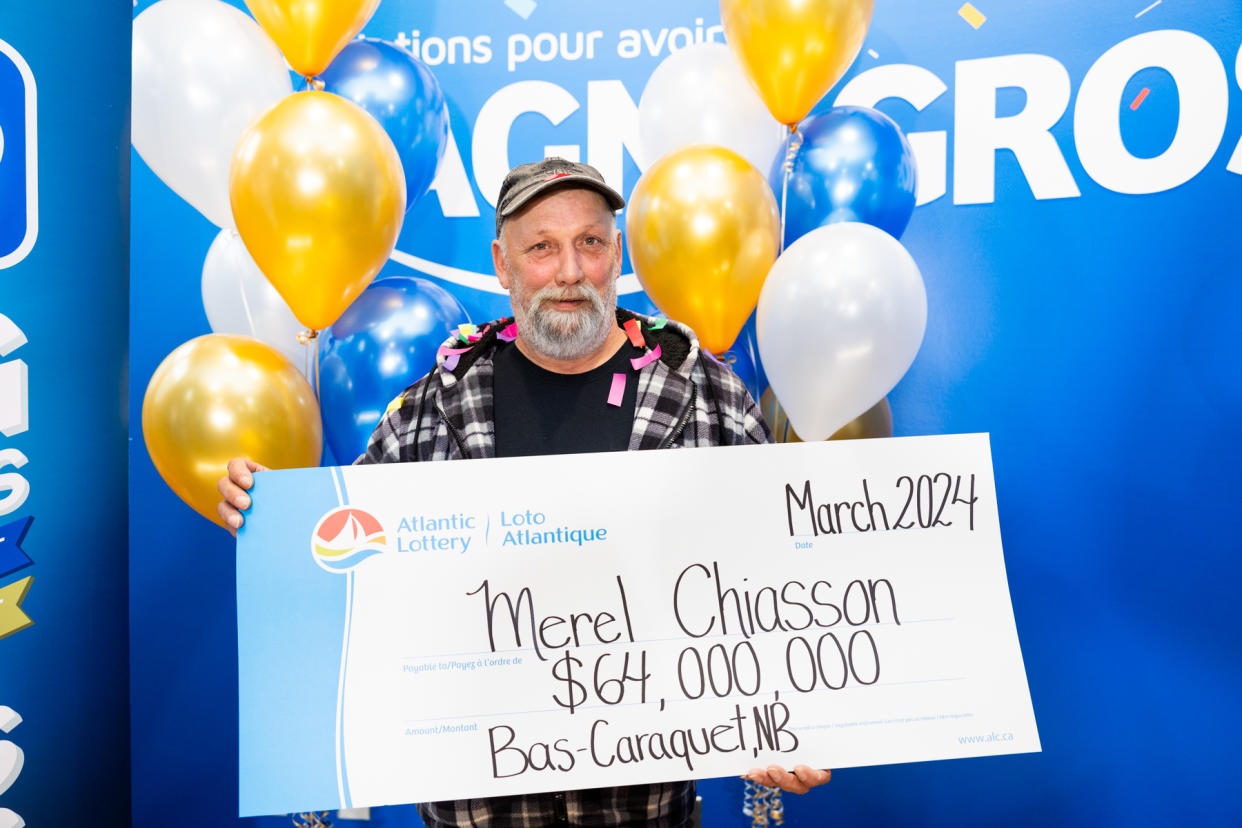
{"x":559,"y":259}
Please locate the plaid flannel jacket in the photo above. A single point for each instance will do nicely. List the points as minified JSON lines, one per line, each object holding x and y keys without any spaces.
{"x":685,"y":399}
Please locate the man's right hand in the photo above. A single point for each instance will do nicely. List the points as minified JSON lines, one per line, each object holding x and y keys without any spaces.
{"x":233,"y":488}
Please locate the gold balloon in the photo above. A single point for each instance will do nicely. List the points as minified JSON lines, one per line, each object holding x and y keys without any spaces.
{"x":318,"y":196}
{"x":311,"y":32}
{"x":795,"y":50}
{"x":703,"y":230}
{"x":876,"y":421}
{"x":222,"y":396}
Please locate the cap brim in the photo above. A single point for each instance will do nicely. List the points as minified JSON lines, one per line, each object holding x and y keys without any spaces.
{"x":614,"y":199}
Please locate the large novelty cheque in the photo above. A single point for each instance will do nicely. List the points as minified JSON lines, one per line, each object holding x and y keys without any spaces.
{"x":423,"y":631}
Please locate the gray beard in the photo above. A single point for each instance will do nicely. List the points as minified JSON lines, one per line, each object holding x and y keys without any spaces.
{"x":564,"y":336}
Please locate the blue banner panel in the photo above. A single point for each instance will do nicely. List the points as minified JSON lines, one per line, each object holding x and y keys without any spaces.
{"x":19,"y":180}
{"x":1079,"y":173}
{"x":64,"y":212}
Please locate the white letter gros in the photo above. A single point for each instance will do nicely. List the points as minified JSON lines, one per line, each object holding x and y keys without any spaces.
{"x":1203,"y":97}
{"x":1235,"y":163}
{"x":978,"y":133}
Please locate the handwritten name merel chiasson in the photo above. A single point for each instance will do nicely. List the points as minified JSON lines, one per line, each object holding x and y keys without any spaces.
{"x":703,"y":604}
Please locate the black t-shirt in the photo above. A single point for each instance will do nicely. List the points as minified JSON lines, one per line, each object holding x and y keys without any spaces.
{"x":543,"y":412}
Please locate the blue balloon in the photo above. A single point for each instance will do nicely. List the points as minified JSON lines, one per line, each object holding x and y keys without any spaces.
{"x":384,"y":341}
{"x":854,"y":164}
{"x":400,"y":92}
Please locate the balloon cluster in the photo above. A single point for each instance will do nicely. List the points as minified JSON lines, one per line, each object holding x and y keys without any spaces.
{"x":840,"y":313}
{"x":309,"y":190}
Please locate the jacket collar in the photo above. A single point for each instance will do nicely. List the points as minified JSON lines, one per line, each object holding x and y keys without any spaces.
{"x":665,"y":397}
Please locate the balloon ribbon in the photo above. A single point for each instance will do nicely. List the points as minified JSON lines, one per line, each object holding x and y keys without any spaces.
{"x":763,"y":805}
{"x":312,"y":370}
{"x":795,"y":144}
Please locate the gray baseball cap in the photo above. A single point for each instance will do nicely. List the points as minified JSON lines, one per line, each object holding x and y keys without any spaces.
{"x":527,"y":181}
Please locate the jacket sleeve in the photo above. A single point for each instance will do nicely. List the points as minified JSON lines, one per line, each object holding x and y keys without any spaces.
{"x":737,"y":413}
{"x":393,"y":440}
{"x":753,"y":424}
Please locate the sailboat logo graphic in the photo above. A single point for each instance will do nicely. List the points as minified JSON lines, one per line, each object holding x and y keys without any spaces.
{"x":346,"y":537}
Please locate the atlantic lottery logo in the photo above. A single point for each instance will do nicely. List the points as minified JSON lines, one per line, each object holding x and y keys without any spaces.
{"x":346,"y":537}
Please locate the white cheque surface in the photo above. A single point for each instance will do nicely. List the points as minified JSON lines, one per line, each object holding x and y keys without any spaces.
{"x":416,"y":631}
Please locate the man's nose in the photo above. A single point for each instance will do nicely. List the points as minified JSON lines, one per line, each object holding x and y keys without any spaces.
{"x":570,"y":272}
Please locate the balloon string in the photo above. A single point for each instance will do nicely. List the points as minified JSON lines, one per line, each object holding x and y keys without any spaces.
{"x":306,"y":337}
{"x":241,"y":289}
{"x":315,"y":336}
{"x":795,"y":144}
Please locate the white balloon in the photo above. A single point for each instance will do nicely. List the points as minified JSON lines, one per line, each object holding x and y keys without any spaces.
{"x":239,"y":299}
{"x":841,"y":317}
{"x":699,"y":95}
{"x":202,"y":71}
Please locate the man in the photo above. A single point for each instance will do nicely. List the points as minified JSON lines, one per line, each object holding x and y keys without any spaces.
{"x":570,"y":373}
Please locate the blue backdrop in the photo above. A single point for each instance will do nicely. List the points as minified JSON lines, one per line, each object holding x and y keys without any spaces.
{"x":1081,"y":262}
{"x":63,"y":279}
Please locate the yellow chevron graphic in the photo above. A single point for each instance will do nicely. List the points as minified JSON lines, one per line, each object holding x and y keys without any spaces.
{"x":12,"y":618}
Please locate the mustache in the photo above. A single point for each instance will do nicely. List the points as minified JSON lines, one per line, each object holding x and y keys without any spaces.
{"x":572,"y":293}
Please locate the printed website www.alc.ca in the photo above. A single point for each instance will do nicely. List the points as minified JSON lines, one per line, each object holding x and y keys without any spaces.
{"x":985,"y":738}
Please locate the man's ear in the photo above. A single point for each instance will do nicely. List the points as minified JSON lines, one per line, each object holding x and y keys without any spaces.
{"x":619,"y":249}
{"x":498,"y":262}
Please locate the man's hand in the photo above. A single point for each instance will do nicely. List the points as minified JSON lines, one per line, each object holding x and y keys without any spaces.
{"x":233,"y":488}
{"x":801,"y":780}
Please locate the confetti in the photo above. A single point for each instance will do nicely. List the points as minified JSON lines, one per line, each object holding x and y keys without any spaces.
{"x":646,"y":359}
{"x":1138,"y":100}
{"x":508,"y":333}
{"x":633,"y":332}
{"x":658,"y":323}
{"x":1149,"y":8}
{"x":874,"y":54}
{"x":451,"y":356}
{"x":522,"y":8}
{"x":617,"y":392}
{"x":972,"y":15}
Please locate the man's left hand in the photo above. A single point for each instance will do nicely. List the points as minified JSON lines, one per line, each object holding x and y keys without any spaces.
{"x":799,"y":781}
